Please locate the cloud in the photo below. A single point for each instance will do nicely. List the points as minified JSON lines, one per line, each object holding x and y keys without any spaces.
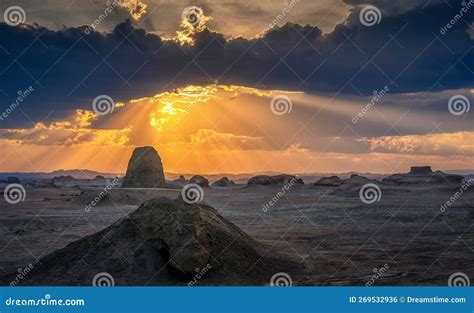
{"x":69,"y":68}
{"x":218,"y":140}
{"x":200,"y":129}
{"x":135,"y":8}
{"x":447,"y":144}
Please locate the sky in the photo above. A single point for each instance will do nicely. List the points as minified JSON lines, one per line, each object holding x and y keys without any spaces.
{"x":237,"y":86}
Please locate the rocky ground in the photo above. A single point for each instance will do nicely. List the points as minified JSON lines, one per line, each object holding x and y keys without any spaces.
{"x":319,"y":235}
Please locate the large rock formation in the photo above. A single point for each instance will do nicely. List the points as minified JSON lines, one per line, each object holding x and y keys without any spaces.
{"x":164,"y":242}
{"x":332,"y":181}
{"x":199,"y":180}
{"x":277,"y":180}
{"x":223,"y":182}
{"x":144,"y":170}
{"x":423,"y":175}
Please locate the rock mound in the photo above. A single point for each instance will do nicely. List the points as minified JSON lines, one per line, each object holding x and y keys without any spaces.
{"x":164,"y":242}
{"x":181,"y":181}
{"x":332,"y":181}
{"x":144,"y":170}
{"x":423,"y":175}
{"x":277,"y":180}
{"x":421,"y":170}
{"x":62,"y":179}
{"x":199,"y":180}
{"x":223,"y":182}
{"x":13,"y":180}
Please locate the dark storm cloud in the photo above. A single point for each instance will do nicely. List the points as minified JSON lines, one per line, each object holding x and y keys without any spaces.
{"x":395,"y":7}
{"x":69,"y":68}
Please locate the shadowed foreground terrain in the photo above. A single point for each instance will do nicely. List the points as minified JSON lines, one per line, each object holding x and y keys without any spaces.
{"x":319,"y":235}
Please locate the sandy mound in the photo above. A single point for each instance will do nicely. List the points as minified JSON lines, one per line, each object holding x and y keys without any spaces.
{"x":164,"y":242}
{"x":223,"y":182}
{"x":199,"y":180}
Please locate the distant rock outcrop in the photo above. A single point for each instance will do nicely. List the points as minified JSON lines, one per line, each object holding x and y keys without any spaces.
{"x":423,"y":175}
{"x":199,"y":180}
{"x":332,"y":181}
{"x":277,"y":180}
{"x":181,"y":181}
{"x":13,"y":180}
{"x":164,"y":242}
{"x":359,"y":177}
{"x":144,"y":170}
{"x":223,"y":182}
{"x":421,"y":170}
{"x":62,"y":179}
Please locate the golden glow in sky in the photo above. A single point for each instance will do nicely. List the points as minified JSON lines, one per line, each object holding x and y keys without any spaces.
{"x":232,"y":129}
